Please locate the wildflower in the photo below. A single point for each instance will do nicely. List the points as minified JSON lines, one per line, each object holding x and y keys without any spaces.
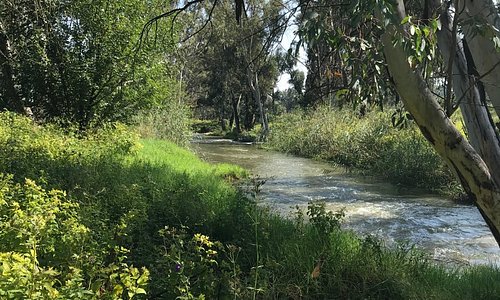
{"x":178,"y":267}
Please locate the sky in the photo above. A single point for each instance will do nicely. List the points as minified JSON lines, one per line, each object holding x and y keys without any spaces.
{"x":285,"y":43}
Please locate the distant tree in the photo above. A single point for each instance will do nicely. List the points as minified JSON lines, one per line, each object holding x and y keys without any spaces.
{"x":237,"y":68}
{"x":297,"y":79}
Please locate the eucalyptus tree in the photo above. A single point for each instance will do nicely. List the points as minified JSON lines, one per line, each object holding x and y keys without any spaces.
{"x":236,"y":70}
{"x":475,"y":163}
{"x":391,"y":40}
{"x":339,"y":42}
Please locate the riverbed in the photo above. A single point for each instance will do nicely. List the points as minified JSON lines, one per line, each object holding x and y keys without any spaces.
{"x":450,"y":232}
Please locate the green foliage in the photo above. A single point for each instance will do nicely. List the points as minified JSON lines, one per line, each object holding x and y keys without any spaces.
{"x":28,"y":150}
{"x":153,"y":219}
{"x":369,"y":144}
{"x":325,"y":222}
{"x":44,"y":247}
{"x":78,"y":60}
{"x":39,"y":221}
{"x":345,"y":66}
{"x":421,"y":45}
{"x":189,"y":258}
{"x":170,"y":122}
{"x":224,"y":74}
{"x":127,"y":193}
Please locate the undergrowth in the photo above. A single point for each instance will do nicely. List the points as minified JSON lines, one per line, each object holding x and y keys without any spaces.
{"x":147,"y":219}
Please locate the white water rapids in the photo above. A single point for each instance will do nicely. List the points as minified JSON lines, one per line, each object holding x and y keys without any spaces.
{"x":452,"y":233}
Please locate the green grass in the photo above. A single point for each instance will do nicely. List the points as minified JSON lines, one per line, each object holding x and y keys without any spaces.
{"x":189,"y":224}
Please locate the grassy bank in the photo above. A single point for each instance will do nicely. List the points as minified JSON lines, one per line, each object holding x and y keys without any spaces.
{"x":145,"y":216}
{"x":370,"y":145}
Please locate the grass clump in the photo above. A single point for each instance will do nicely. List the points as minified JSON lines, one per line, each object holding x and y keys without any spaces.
{"x":145,"y":216}
{"x":168,"y":122}
{"x":369,"y":144}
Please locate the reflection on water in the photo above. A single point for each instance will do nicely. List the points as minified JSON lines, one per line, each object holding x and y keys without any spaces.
{"x":450,"y":232}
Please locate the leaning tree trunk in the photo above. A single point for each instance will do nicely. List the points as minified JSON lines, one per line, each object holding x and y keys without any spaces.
{"x":481,"y":133}
{"x":481,"y":45}
{"x":440,"y":131}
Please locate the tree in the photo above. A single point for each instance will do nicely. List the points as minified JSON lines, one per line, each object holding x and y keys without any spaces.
{"x":237,"y":69}
{"x":77,"y":60}
{"x":406,"y":47}
{"x":479,"y":179}
{"x":343,"y":61}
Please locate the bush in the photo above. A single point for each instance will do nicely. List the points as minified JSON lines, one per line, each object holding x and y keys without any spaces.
{"x":44,"y":247}
{"x":126,"y":194}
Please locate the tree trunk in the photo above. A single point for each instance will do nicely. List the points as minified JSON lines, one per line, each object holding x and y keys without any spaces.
{"x":222,"y":114}
{"x":481,"y":133}
{"x":440,"y":131}
{"x":482,"y":47}
{"x":9,"y":92}
{"x":236,"y":113}
{"x":253,"y":82}
{"x":249,"y":119}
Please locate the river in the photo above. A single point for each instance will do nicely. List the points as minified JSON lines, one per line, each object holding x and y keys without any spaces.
{"x":451,"y":233}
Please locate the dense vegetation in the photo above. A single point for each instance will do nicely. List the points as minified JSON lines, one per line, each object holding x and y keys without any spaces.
{"x":144,"y":216}
{"x":89,"y":210}
{"x":83,"y":62}
{"x":369,"y":144}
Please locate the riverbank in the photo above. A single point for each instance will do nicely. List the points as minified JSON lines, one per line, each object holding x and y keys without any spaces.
{"x":447,"y":231}
{"x":147,"y":217}
{"x":369,"y":145}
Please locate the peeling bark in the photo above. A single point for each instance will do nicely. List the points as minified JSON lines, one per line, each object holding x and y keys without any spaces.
{"x":447,"y":140}
{"x":481,"y":133}
{"x":482,"y":47}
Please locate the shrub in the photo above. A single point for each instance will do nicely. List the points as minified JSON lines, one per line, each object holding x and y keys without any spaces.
{"x":126,"y":194}
{"x":170,"y":123}
{"x":44,"y":247}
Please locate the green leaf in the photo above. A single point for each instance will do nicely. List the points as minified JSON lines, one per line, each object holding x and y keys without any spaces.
{"x":422,"y":45}
{"x":426,"y":31}
{"x":406,"y":20}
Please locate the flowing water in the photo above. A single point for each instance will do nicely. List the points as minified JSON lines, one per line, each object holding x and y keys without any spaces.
{"x":450,"y":232}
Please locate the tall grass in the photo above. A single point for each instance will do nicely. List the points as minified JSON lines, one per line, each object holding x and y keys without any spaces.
{"x":369,"y":144}
{"x":170,"y":122}
{"x":151,"y":204}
